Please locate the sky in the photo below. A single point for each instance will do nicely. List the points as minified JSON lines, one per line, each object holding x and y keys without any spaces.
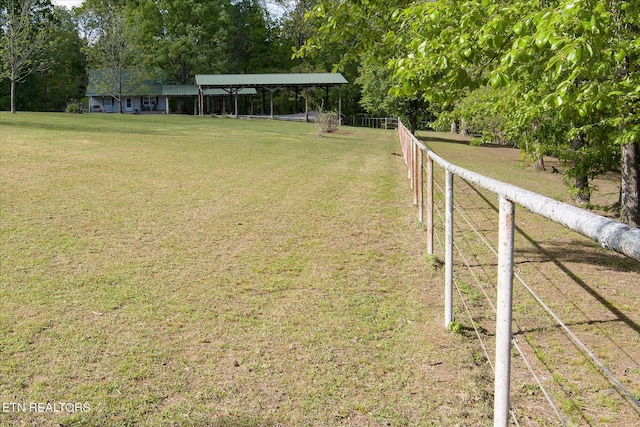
{"x":67,"y":3}
{"x":72,"y":3}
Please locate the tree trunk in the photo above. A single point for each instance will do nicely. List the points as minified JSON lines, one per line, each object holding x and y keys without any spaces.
{"x":463,"y":127}
{"x":13,"y":96}
{"x":583,"y":192}
{"x":413,"y":123}
{"x":630,"y":185}
{"x":538,"y":158}
{"x":454,"y":127}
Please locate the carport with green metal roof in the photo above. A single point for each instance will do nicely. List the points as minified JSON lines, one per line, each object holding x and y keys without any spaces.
{"x":233,"y":84}
{"x":190,"y":91}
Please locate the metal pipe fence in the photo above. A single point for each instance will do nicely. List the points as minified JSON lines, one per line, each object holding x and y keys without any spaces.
{"x":608,"y":233}
{"x":372,"y":122}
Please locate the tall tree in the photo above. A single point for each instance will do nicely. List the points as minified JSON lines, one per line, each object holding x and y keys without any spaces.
{"x":250,"y":38}
{"x":357,"y":33}
{"x":569,"y":67}
{"x":295,"y":24}
{"x":376,"y":82}
{"x":183,"y":37}
{"x":112,"y":46}
{"x":24,"y":40}
{"x":65,"y":80}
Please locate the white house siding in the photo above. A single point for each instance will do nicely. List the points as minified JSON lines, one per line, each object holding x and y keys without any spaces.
{"x":101,"y":104}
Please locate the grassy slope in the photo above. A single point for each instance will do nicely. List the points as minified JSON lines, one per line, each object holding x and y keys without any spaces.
{"x":175,"y":270}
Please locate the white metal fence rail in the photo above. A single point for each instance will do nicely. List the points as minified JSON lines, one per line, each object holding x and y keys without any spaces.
{"x":610,"y":234}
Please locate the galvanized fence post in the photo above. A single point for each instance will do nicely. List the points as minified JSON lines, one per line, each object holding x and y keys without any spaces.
{"x":408,"y":148}
{"x":419,"y":185}
{"x":448,"y":261}
{"x":415,"y":172}
{"x":429,"y":205}
{"x":503,"y":315}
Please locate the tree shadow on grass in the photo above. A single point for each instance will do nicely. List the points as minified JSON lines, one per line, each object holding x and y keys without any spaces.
{"x":456,"y":139}
{"x":428,"y":138}
{"x":560,"y":255}
{"x":79,"y":125}
{"x":576,"y":252}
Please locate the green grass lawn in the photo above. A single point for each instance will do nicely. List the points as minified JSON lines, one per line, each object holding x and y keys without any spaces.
{"x":177,"y":270}
{"x":199,"y":271}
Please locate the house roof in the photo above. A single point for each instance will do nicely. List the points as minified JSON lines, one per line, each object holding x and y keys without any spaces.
{"x":179,"y":90}
{"x":269,"y":80}
{"x":106,"y":82}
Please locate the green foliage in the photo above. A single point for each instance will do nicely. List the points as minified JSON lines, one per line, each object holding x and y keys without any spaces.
{"x":479,"y":110}
{"x":352,"y":34}
{"x":182,"y":37}
{"x":455,"y":327}
{"x":540,"y":75}
{"x":252,"y":46}
{"x":25,"y":40}
{"x":73,"y":107}
{"x":565,"y":71}
{"x":65,"y":78}
{"x":376,"y":83}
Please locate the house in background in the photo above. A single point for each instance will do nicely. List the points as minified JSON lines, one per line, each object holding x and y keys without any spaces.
{"x":138,"y":91}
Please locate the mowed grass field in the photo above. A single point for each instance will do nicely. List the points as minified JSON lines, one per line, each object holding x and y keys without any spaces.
{"x":196,"y":271}
{"x":187,"y":271}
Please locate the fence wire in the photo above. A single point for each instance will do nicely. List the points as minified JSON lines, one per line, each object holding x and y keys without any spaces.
{"x":473,"y":321}
{"x":474,"y":227}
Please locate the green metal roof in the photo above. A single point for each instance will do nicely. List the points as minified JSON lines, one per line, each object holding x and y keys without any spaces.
{"x":179,"y":90}
{"x":270,"y":80}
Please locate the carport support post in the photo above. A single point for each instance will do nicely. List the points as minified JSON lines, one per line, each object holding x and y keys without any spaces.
{"x":326,"y":103}
{"x":306,"y":106}
{"x":448,"y":262}
{"x":503,"y":315}
{"x":271,"y":92}
{"x":236,"y":102}
{"x":340,"y":106}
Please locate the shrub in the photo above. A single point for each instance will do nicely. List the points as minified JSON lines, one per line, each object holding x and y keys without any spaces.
{"x":73,"y":108}
{"x":327,"y":122}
